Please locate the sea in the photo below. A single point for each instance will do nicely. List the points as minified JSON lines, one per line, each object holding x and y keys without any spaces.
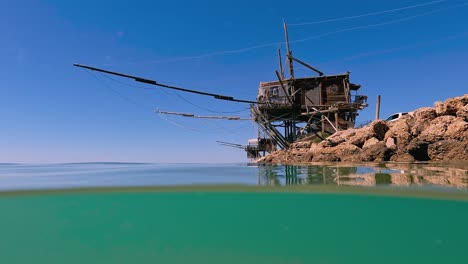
{"x":234,"y":213}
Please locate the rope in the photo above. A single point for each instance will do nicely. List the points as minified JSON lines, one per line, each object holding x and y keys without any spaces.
{"x":366,"y":15}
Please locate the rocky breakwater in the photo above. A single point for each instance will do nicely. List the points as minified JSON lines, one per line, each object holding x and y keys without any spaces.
{"x":430,"y":133}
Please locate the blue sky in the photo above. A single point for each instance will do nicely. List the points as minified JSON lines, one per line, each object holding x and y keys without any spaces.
{"x":53,"y":112}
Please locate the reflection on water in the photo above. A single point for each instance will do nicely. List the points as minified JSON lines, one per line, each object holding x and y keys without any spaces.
{"x":385,"y":174}
{"x":59,"y":176}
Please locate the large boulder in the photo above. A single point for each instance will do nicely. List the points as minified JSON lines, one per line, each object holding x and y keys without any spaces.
{"x":390,"y":143}
{"x":376,"y":152}
{"x":326,"y":157}
{"x":370,"y":142}
{"x":361,"y":136}
{"x":463,"y":113}
{"x":457,"y":130}
{"x":333,"y":141}
{"x":422,"y":119}
{"x":348,"y":152}
{"x":376,"y":129}
{"x":436,"y":129}
{"x":379,"y":128}
{"x":451,"y":105}
{"x":301,"y":145}
{"x":300,"y":157}
{"x":418,"y":149}
{"x":400,"y":131}
{"x":316,"y":148}
{"x":452,"y":150}
{"x":346,"y":134}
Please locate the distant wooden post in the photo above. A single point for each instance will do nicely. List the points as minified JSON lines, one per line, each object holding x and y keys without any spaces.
{"x":377,"y":110}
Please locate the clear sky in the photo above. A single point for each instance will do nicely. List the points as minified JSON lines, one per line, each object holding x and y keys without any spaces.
{"x":53,"y":112}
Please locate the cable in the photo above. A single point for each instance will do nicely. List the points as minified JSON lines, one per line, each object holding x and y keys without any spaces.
{"x":173,"y":94}
{"x":379,"y":24}
{"x":206,"y":109}
{"x":383,"y":51}
{"x":366,"y":15}
{"x":125,"y":98}
{"x":216,"y":53}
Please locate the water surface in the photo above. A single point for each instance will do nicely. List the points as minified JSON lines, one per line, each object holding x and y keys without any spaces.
{"x":186,"y":213}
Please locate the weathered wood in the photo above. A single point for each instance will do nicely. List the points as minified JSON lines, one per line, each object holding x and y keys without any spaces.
{"x":280,"y":65}
{"x":197,"y":116}
{"x":377,"y":108}
{"x":288,"y":51}
{"x":152,"y":82}
{"x":282,"y":86}
{"x":305,"y":65}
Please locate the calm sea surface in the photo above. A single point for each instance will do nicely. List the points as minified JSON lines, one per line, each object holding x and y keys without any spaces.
{"x":199,"y":213}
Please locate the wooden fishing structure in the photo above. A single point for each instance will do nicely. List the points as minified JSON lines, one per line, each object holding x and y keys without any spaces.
{"x":301,"y":107}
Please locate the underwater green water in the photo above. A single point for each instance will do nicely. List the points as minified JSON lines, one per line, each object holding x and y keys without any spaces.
{"x":230,"y":227}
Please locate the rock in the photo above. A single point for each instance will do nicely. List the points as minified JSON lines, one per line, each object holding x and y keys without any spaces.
{"x":370,"y":142}
{"x":390,"y":143}
{"x":380,"y":128}
{"x":452,"y":150}
{"x":325,"y":157}
{"x":376,"y":152}
{"x":315,"y":148}
{"x":403,"y":157}
{"x":451,"y":105}
{"x":348,"y":152}
{"x":301,"y":144}
{"x":436,"y":129}
{"x":422,"y":119}
{"x":401,"y":132}
{"x":359,"y":138}
{"x":346,"y":134}
{"x":425,"y":114}
{"x":418,"y":149}
{"x":333,"y":141}
{"x":463,"y":113}
{"x":298,"y":156}
{"x":439,"y":133}
{"x":457,"y":130}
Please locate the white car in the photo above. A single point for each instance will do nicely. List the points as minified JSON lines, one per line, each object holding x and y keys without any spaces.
{"x":397,"y":116}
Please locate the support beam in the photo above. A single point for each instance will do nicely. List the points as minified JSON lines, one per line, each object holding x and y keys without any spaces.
{"x":280,"y":65}
{"x":306,"y":65}
{"x":282,"y":86}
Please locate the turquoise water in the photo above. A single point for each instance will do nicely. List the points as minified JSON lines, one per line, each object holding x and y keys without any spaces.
{"x":59,"y":176}
{"x":233,"y":214}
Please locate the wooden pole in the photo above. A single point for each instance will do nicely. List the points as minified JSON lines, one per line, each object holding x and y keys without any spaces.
{"x":288,"y":51}
{"x":282,"y":87}
{"x":280,"y":64}
{"x":377,"y":110}
{"x":307,"y":65}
